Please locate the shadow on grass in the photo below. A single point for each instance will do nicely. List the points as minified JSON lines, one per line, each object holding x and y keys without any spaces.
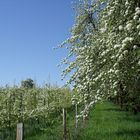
{"x":111,"y":109}
{"x":130,"y":133}
{"x":132,"y":119}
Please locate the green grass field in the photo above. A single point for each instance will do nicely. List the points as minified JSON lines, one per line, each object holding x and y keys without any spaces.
{"x":106,"y":122}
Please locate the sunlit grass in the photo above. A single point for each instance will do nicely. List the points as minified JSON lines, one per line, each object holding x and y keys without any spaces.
{"x":108,"y":122}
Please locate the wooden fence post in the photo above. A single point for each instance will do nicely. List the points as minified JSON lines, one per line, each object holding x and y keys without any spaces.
{"x":64,"y":125}
{"x":19,"y":131}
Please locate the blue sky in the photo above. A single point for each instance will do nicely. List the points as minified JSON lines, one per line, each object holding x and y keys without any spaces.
{"x":29,"y":30}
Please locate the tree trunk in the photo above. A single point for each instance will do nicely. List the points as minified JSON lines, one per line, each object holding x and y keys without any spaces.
{"x":76,"y":112}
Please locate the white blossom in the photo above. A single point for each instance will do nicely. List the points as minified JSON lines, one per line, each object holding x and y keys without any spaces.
{"x":117,"y":46}
{"x":135,"y":47}
{"x":129,"y":26}
{"x":102,"y":30}
{"x":138,"y":27}
{"x":137,"y":9}
{"x":136,"y":17}
{"x":120,"y":27}
{"x":125,"y":52}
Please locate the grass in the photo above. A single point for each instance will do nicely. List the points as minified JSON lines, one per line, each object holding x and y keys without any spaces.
{"x":55,"y":132}
{"x":106,"y":122}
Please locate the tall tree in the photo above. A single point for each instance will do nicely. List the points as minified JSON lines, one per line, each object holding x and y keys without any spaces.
{"x":28,"y":83}
{"x":105,"y":41}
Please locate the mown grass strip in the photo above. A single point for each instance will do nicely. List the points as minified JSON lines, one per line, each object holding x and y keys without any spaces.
{"x":109,"y":122}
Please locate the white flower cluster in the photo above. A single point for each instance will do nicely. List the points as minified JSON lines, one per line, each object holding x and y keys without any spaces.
{"x":127,"y":40}
{"x":129,"y":26}
{"x":117,"y":46}
{"x":102,"y":30}
{"x":137,"y":11}
{"x":137,"y":14}
{"x":120,"y":27}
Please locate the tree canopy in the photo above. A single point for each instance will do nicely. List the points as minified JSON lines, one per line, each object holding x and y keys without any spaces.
{"x":28,"y":83}
{"x":105,"y":42}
